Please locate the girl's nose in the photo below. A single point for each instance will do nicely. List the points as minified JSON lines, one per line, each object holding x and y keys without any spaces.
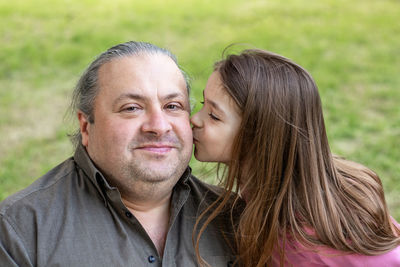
{"x":196,"y":120}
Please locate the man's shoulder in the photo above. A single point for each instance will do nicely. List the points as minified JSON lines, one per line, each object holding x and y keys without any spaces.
{"x":41,"y":186}
{"x":204,"y":193}
{"x":207,"y":193}
{"x":200,"y":188}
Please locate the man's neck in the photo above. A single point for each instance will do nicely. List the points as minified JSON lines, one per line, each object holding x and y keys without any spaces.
{"x":154,"y":217}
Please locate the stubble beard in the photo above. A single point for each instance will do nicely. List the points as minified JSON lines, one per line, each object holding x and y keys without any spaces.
{"x":142,"y":177}
{"x":138,"y":171}
{"x":141,"y":183}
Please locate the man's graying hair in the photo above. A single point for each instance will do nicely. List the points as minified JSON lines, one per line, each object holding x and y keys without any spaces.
{"x":87,"y":88}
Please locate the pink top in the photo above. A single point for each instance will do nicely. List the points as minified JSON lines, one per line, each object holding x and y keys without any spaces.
{"x":298,"y":255}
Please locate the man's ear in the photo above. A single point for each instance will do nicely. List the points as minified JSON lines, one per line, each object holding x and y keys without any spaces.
{"x":84,"y":126}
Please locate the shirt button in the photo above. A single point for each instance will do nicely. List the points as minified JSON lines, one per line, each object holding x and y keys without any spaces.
{"x":151,"y":259}
{"x":128,"y":214}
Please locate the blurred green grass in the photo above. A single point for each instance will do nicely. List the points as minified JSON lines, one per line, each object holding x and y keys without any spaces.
{"x":352,"y":49}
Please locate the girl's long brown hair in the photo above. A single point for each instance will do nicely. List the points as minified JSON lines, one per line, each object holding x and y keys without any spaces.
{"x":282,"y":157}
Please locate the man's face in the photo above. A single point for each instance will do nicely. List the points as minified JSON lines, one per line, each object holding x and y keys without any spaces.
{"x":141,"y":130}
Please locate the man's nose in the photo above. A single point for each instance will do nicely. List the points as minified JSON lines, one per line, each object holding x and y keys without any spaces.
{"x":156,"y":122}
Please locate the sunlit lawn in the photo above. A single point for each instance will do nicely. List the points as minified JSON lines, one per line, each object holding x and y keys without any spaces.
{"x":352,"y":48}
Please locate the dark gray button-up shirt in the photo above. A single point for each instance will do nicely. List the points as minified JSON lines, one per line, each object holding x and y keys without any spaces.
{"x":72,"y":217}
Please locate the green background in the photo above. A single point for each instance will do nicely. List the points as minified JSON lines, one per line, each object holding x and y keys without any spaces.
{"x":351,"y":47}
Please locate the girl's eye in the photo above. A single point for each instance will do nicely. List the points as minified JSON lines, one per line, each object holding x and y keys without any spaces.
{"x":213,"y":117}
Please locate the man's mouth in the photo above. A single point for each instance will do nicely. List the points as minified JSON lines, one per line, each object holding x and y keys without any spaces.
{"x":157,"y":148}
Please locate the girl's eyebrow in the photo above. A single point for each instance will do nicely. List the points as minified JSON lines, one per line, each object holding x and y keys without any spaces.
{"x":214,"y":104}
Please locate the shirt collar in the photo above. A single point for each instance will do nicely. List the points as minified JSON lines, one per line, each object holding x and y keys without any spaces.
{"x":83,"y":160}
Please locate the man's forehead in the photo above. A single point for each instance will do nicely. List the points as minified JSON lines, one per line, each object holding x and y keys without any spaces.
{"x":141,"y":61}
{"x":146,"y":66}
{"x":141,"y":74}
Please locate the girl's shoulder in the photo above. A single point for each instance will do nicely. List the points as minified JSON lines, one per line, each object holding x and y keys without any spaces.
{"x":299,"y":255}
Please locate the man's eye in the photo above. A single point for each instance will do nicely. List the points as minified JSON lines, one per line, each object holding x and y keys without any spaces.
{"x":130,"y":108}
{"x":172,"y":106}
{"x":213,"y":117}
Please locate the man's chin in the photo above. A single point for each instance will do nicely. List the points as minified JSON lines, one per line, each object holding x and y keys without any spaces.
{"x":159,"y":168}
{"x":156,"y":177}
{"x":161,"y":172}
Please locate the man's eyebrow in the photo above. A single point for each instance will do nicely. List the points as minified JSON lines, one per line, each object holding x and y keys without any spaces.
{"x":173,"y":95}
{"x":143,"y":98}
{"x":129,"y":96}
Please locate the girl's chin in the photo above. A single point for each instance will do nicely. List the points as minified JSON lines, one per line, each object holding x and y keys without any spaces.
{"x":198,"y":157}
{"x":206,"y":158}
